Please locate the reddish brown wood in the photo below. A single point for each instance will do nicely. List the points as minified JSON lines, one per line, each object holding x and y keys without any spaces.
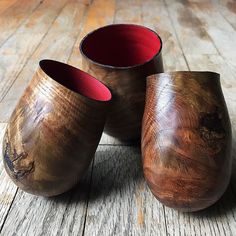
{"x":55,"y":129}
{"x":186,"y":139}
{"x":124,"y":71}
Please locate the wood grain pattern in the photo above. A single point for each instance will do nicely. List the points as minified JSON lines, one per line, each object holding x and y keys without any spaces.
{"x":186,"y":139}
{"x":46,"y":114}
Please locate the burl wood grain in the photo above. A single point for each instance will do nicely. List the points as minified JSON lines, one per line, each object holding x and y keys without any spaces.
{"x":128,"y":86}
{"x":186,"y":139}
{"x":52,"y":136}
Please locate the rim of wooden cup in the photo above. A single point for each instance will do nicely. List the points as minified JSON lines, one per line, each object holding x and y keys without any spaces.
{"x":113,"y":36}
{"x":183,"y":72}
{"x":80,"y":82}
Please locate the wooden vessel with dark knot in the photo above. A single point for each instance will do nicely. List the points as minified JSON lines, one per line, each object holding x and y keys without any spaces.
{"x":54,"y":130}
{"x":186,"y":139}
{"x":122,"y":56}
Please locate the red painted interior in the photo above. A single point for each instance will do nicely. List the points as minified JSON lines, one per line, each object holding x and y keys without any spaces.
{"x":121,"y":45}
{"x":76,"y":80}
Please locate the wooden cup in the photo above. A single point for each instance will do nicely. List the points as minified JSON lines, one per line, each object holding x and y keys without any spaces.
{"x":186,"y":139}
{"x":54,"y":130}
{"x":121,"y":56}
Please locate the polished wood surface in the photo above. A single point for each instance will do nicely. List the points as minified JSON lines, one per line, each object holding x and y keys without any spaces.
{"x":52,"y":134}
{"x":128,"y":86}
{"x":186,"y":139}
{"x":54,"y":30}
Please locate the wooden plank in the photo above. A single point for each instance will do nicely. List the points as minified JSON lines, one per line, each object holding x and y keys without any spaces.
{"x":120,"y":203}
{"x":14,"y":16}
{"x":62,"y":215}
{"x":223,"y":35}
{"x":192,"y":31}
{"x":216,"y":220}
{"x":228,"y":10}
{"x":7,"y":188}
{"x":56,"y":44}
{"x":5,"y":4}
{"x":23,"y":43}
{"x":220,"y":34}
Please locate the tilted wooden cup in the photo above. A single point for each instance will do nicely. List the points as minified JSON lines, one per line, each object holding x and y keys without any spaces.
{"x":121,"y":56}
{"x":186,"y":139}
{"x":54,"y":130}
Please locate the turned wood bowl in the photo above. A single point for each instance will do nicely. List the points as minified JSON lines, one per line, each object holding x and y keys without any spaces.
{"x":186,"y":139}
{"x":121,"y":56}
{"x":54,"y":130}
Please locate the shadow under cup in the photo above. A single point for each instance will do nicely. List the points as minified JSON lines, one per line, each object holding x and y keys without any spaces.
{"x":122,"y":56}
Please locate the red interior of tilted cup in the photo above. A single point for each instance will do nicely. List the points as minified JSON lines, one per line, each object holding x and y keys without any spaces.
{"x":121,"y":45}
{"x":76,"y":80}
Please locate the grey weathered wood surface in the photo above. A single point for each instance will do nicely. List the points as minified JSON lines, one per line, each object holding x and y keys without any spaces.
{"x":113,"y":198}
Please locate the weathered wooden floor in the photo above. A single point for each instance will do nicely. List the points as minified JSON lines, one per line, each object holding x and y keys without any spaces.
{"x":113,"y":199}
